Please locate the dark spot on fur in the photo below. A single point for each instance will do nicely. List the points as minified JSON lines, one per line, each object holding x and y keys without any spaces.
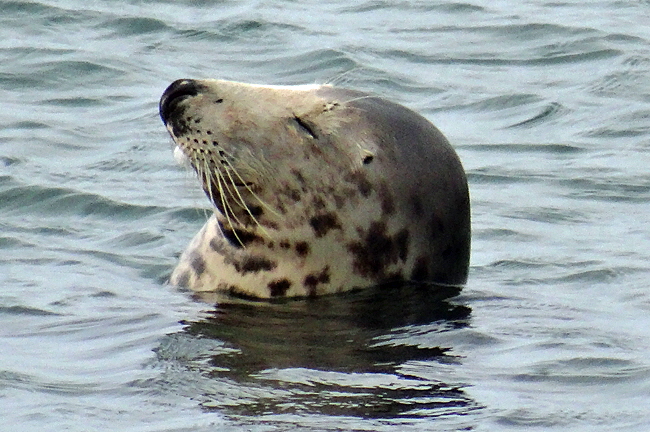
{"x":314,"y":279}
{"x":256,"y":211}
{"x":198,"y":264}
{"x":293,"y":194}
{"x":387,"y":205}
{"x":279,"y":287}
{"x":376,"y":250}
{"x":421,"y":269}
{"x":318,"y":203}
{"x":402,"y":243}
{"x":322,"y":224}
{"x":268,"y":223}
{"x":298,"y":175}
{"x":339,"y":201}
{"x":252,"y":264}
{"x":284,"y":244}
{"x":218,"y":101}
{"x":387,"y":201}
{"x":239,"y":237}
{"x":183,"y":280}
{"x":302,"y":248}
{"x":361,"y":181}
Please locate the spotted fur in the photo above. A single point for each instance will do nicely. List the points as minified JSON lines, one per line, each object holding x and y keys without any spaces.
{"x":316,"y":190}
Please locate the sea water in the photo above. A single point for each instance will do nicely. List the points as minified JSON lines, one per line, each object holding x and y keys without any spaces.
{"x":548,"y":106}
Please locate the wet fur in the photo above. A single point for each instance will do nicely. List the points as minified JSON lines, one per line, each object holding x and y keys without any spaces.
{"x":317,"y":190}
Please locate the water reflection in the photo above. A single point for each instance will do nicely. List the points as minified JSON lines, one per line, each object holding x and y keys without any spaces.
{"x":352,"y":355}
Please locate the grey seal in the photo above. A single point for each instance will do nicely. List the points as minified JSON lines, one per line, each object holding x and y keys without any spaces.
{"x":316,"y":190}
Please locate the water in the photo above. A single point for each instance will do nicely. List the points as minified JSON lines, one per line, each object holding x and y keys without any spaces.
{"x":548,"y":105}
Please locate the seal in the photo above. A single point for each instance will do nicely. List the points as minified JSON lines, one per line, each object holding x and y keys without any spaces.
{"x":317,"y":190}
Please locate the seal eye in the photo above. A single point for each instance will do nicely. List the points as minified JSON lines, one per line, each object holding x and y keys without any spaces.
{"x":305,"y":127}
{"x":367,"y":159}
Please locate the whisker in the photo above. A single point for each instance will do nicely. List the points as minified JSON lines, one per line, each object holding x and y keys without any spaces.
{"x":227,"y":208}
{"x":343,"y":77}
{"x":220,"y":177}
{"x":202,"y":176}
{"x":224,"y":182}
{"x":244,"y":205}
{"x":360,"y":98}
{"x":252,"y":192}
{"x":217,"y":177}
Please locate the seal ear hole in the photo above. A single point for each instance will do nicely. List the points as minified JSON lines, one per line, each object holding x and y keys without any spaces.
{"x":305,"y":127}
{"x":367,"y":159}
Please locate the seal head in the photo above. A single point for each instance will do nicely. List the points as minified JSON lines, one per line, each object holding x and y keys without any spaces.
{"x":317,"y":190}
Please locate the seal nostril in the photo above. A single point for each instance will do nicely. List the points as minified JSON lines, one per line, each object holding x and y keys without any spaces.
{"x":174,"y":94}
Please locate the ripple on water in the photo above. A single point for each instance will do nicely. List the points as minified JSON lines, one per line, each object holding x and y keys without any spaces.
{"x":61,"y":201}
{"x":332,"y":356}
{"x":547,"y":104}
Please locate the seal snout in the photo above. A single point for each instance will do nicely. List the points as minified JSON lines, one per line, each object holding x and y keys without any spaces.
{"x":174,"y":94}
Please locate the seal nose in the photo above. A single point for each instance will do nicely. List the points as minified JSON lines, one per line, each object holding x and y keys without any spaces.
{"x":174,"y":94}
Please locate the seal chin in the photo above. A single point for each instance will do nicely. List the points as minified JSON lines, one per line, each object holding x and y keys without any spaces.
{"x":316,"y":189}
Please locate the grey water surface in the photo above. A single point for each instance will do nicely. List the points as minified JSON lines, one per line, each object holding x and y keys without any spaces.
{"x":546,"y":102}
